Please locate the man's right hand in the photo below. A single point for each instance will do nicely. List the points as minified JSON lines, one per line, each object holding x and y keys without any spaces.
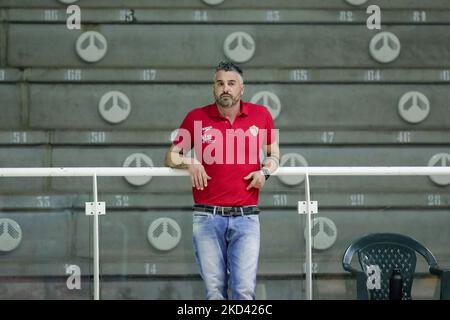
{"x":199,"y":177}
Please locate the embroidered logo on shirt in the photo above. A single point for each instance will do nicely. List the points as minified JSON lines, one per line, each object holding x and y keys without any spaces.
{"x":207,"y":138}
{"x":206,"y":129}
{"x":254,"y":130}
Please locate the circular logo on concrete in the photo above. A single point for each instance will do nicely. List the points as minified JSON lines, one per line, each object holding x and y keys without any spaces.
{"x":239,"y":46}
{"x":440,"y":160}
{"x":91,"y":46}
{"x":213,"y":2}
{"x":138,"y":160}
{"x":384,"y":47}
{"x":268,"y":99}
{"x":323,"y":233}
{"x":68,"y":1}
{"x":114,"y":106}
{"x":414,"y":107}
{"x":356,"y":2}
{"x":10,"y":234}
{"x":292,"y":160}
{"x":164,"y":234}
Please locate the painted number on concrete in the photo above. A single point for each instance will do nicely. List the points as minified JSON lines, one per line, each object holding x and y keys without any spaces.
{"x":273,"y":16}
{"x":127,"y":15}
{"x":97,"y":137}
{"x":445,"y":75}
{"x":150,"y":268}
{"x":122,"y":201}
{"x":148,"y":74}
{"x":419,"y":16}
{"x":43,"y":202}
{"x":434,"y":200}
{"x":372,"y":75}
{"x":299,"y":75}
{"x":72,"y":75}
{"x":345,"y":16}
{"x":314,"y":267}
{"x":357,"y":200}
{"x":280,"y":200}
{"x":50,"y":15}
{"x":200,"y":15}
{"x":327,"y":137}
{"x":19,"y":137}
{"x":403,"y":137}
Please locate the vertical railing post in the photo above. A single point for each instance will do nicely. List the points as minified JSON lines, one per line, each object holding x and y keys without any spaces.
{"x":308,"y":240}
{"x":96,"y":244}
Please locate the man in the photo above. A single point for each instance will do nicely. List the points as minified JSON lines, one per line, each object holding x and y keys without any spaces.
{"x":226,"y":176}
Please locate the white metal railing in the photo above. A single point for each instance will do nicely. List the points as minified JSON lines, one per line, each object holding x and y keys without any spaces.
{"x":286,"y":171}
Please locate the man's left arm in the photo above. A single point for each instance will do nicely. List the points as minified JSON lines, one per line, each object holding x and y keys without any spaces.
{"x":272,"y":160}
{"x":269,"y":166}
{"x":271,"y":151}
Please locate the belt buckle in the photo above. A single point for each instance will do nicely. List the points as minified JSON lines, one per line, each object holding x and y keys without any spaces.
{"x":229,"y":214}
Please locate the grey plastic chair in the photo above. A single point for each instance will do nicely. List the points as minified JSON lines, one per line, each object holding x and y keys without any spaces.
{"x":386,"y":251}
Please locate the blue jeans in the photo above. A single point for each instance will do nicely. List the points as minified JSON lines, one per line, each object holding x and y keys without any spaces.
{"x":227,"y":251}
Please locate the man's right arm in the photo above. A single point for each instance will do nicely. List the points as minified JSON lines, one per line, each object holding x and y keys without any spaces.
{"x":177,"y":160}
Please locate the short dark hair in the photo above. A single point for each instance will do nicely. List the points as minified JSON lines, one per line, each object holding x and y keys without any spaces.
{"x":228,"y":66}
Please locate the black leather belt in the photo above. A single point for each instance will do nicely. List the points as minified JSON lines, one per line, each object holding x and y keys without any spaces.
{"x":227,"y":211}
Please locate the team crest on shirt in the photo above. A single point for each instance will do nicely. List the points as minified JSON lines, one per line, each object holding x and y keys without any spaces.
{"x":254,"y":130}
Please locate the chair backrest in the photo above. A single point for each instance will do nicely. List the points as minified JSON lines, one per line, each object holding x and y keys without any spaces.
{"x":380,"y":253}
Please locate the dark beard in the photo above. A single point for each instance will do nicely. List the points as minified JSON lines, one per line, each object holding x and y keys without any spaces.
{"x":234,"y":100}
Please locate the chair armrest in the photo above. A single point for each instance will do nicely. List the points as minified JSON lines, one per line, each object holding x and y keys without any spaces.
{"x":361,"y":281}
{"x":349,"y":268}
{"x":444,"y":276}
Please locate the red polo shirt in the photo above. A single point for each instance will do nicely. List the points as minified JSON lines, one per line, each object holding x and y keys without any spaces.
{"x":229,"y":152}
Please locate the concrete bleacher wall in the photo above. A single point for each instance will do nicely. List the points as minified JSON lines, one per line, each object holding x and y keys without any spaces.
{"x":338,"y":106}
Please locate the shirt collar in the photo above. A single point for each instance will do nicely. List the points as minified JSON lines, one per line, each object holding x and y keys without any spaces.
{"x":214,"y":112}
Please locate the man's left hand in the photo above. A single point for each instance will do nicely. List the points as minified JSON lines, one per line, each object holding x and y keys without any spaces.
{"x":257,"y":180}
